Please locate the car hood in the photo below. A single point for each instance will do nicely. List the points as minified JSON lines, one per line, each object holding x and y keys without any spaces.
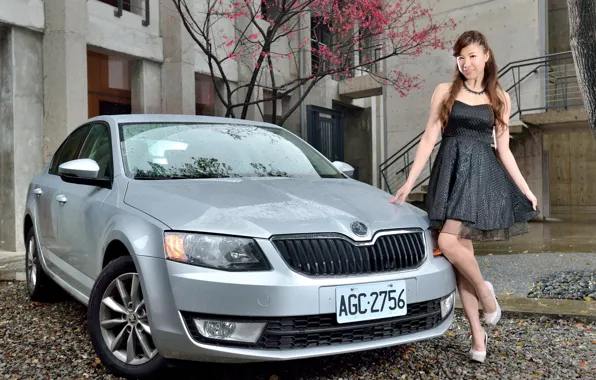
{"x":261,"y":207}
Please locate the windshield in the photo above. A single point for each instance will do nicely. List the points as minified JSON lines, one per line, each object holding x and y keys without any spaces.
{"x":172,"y":151}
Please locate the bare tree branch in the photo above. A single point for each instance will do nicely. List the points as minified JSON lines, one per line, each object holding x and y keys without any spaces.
{"x":358,"y":34}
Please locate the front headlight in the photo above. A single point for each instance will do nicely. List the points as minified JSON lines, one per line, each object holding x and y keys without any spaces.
{"x":215,"y":251}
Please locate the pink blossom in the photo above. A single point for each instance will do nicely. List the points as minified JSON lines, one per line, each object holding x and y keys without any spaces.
{"x":369,"y":29}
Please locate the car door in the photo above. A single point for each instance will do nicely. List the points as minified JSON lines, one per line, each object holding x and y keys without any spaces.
{"x":81,"y":220}
{"x":46,"y":188}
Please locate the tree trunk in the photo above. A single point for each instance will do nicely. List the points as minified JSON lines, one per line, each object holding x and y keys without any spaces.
{"x":582,"y":36}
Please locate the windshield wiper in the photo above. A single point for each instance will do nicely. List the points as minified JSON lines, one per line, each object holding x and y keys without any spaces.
{"x":160,"y":178}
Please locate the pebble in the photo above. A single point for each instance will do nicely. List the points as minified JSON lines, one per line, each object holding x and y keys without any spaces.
{"x":50,"y":341}
{"x":573,"y":285}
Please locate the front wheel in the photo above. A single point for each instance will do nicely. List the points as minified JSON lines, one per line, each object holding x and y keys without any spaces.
{"x":119,"y":325}
{"x":40,"y":287}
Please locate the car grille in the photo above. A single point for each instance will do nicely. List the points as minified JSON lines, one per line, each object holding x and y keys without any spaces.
{"x":325,"y":256}
{"x":323,"y":330}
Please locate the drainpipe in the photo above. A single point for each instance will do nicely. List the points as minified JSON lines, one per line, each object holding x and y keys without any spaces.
{"x":303,"y":131}
{"x":383,"y":123}
{"x":301,"y":73}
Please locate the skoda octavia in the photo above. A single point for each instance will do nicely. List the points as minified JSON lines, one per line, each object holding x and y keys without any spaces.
{"x":223,"y":240}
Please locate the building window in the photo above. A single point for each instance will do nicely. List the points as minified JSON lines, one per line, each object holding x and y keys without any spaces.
{"x":126,"y":4}
{"x":108,"y":81}
{"x":133,"y":6}
{"x":320,"y":37}
{"x":270,"y":9}
{"x":204,"y":95}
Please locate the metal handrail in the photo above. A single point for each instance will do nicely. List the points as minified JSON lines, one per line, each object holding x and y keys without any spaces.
{"x":514,"y":67}
{"x":119,"y":11}
{"x":506,"y":67}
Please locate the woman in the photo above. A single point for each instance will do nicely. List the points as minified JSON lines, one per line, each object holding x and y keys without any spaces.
{"x":471,"y":196}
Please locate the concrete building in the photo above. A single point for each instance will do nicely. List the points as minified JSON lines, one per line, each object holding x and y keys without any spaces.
{"x":63,"y":61}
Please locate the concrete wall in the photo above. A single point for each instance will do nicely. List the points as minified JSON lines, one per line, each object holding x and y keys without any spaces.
{"x":177,"y":76}
{"x":558,"y":26}
{"x":25,"y":13}
{"x":125,"y":34}
{"x":513,"y":29}
{"x":222,"y":31}
{"x":65,"y":70}
{"x":21,"y":121}
{"x":530,"y":158}
{"x":145,"y":87}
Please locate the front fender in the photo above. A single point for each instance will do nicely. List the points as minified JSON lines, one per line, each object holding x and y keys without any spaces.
{"x":140,"y":234}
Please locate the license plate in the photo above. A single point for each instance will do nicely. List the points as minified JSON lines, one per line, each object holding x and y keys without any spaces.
{"x":362,"y":302}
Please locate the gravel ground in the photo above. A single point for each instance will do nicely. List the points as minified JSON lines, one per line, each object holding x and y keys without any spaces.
{"x":51,"y":341}
{"x":574,"y":285}
{"x":516,"y":274}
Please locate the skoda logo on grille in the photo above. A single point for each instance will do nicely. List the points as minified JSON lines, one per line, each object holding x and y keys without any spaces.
{"x":359,"y":228}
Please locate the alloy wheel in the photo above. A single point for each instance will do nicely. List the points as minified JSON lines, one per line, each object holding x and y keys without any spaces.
{"x":31,"y":264}
{"x":124,"y":323}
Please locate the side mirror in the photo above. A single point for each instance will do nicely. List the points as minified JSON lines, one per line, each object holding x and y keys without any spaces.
{"x":83,"y":171}
{"x":344,"y":168}
{"x":84,"y":168}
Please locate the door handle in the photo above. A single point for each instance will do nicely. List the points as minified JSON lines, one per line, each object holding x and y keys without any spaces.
{"x":61,"y":199}
{"x":38,"y":191}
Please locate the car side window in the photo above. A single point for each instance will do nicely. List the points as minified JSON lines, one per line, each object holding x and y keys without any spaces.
{"x":69,"y":149}
{"x":98,"y":147}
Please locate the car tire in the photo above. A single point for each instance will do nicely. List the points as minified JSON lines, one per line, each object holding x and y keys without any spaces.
{"x":40,"y":287}
{"x":107,"y":305}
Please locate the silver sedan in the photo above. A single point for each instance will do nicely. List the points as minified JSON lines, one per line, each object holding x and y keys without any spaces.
{"x":215,"y":239}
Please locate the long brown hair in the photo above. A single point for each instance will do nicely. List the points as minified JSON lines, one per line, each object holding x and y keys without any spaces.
{"x":490,"y":80}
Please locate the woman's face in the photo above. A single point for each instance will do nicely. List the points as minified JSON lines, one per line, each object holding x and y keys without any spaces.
{"x":471,"y":61}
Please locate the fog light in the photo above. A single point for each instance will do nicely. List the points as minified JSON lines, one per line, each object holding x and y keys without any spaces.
{"x":447,"y":305}
{"x":231,"y":331}
{"x":221,"y":330}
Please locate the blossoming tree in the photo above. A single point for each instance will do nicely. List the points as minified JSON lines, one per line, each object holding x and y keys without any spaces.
{"x":341,"y":37}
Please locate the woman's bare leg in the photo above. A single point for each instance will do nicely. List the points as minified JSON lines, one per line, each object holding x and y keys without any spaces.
{"x":469,"y":301}
{"x":460,"y":253}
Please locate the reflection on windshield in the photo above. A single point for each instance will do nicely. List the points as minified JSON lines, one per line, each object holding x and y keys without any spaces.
{"x":176,"y":151}
{"x":204,"y":168}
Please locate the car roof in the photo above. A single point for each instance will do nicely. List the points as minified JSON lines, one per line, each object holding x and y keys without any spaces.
{"x":174,"y":118}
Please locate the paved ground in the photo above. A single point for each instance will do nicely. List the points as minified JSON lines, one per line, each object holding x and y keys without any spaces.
{"x":51,"y":341}
{"x":12,"y":268}
{"x":515,"y":274}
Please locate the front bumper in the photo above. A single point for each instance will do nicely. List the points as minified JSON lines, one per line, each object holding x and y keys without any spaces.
{"x":298,"y":312}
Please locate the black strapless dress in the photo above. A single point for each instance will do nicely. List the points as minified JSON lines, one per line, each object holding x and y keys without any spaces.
{"x":468,"y":187}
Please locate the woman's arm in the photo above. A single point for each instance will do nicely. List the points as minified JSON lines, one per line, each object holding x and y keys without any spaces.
{"x":427,"y":142}
{"x":507,"y":158}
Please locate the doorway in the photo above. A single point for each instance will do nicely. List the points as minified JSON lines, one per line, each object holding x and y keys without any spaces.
{"x":326,"y":131}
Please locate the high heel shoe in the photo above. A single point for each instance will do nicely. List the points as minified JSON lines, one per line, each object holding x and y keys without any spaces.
{"x":492,"y":318}
{"x":479,"y":356}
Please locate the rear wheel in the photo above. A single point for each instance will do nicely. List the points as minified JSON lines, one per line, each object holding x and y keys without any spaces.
{"x":119,"y":325}
{"x":39,"y":286}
